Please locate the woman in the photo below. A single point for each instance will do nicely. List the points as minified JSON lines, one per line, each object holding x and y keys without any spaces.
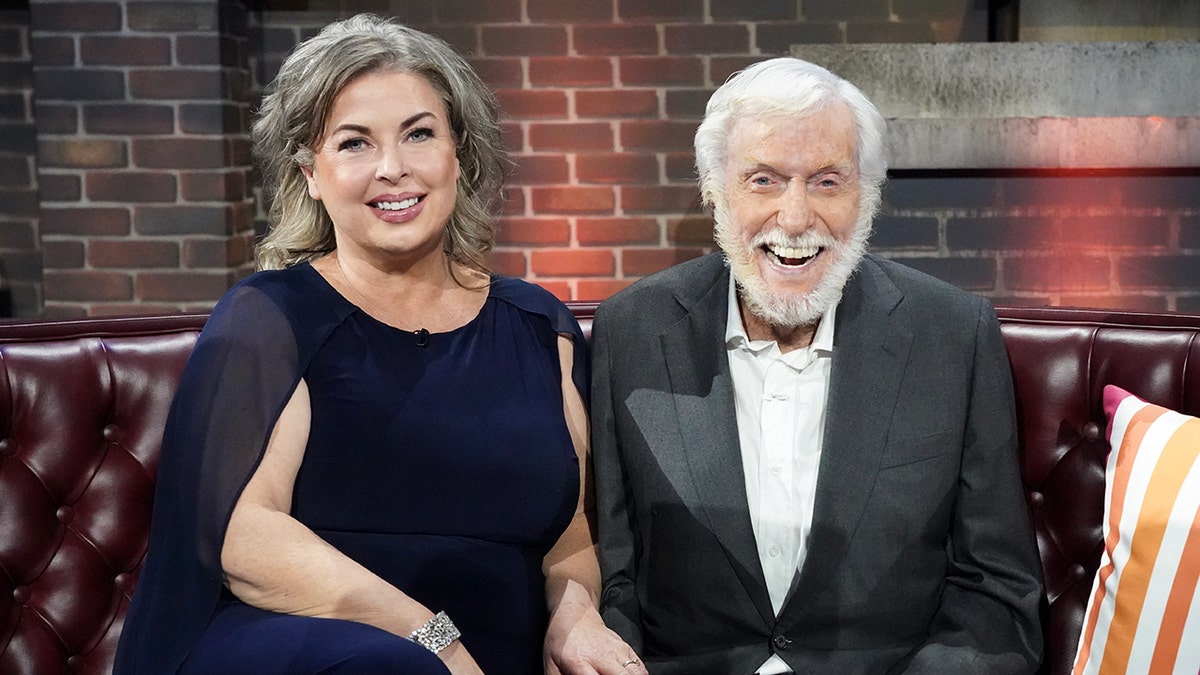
{"x":376,"y":446}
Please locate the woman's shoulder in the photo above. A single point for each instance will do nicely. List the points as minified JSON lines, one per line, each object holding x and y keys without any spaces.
{"x":296,"y":297}
{"x":299,"y":284}
{"x":294,"y":280}
{"x":530,"y":297}
{"x":525,"y":295}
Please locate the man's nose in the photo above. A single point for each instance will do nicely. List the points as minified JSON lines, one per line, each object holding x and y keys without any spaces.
{"x":795,"y":212}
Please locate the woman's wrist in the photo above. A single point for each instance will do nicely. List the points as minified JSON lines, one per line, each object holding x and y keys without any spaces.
{"x":436,"y":634}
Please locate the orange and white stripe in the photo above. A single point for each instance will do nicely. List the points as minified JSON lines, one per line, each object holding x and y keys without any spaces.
{"x":1138,"y":618}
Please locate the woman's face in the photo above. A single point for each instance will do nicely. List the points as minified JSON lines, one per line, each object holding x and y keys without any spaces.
{"x":385,"y":168}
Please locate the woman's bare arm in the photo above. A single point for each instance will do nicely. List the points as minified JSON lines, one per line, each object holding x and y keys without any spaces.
{"x":577,"y":640}
{"x":274,"y":562}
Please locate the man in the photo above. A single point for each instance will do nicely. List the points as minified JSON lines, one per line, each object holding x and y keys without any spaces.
{"x":805,"y":455}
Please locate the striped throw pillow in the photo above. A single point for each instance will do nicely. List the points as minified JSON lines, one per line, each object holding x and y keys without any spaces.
{"x":1139,"y":617}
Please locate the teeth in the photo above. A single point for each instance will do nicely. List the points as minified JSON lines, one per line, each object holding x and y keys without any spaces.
{"x":396,"y":206}
{"x":793,"y":252}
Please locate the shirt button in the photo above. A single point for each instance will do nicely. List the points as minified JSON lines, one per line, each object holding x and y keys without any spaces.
{"x":775,"y":471}
{"x":774,"y":551}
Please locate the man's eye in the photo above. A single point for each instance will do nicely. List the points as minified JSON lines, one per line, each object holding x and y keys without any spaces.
{"x":761,"y":181}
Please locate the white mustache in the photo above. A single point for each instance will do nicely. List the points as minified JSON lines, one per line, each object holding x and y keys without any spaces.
{"x":777,"y":238}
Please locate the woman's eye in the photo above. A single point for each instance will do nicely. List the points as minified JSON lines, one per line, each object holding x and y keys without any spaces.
{"x":352,"y":144}
{"x":420,"y":134}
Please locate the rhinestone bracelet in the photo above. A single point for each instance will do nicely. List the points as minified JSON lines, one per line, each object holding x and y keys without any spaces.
{"x":436,"y":634}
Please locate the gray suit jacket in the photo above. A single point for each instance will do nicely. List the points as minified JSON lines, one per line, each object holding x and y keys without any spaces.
{"x":921,"y":557}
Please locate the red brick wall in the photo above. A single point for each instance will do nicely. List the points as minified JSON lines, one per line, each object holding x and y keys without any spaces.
{"x":1097,"y":239}
{"x":143,"y":157}
{"x":146,"y":192}
{"x":602,"y":98}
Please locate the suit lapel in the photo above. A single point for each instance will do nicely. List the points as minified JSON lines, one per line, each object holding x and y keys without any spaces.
{"x":872,"y":341}
{"x":698,"y":368}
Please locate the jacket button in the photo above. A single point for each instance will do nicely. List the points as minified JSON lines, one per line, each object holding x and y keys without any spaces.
{"x":782,"y":642}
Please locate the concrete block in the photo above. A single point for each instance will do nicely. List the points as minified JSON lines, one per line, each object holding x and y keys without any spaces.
{"x":1029,"y":105}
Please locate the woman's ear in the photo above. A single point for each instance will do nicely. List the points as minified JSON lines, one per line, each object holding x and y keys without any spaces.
{"x":314,"y":190}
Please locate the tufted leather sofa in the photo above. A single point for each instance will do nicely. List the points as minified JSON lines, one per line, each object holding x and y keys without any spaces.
{"x":83,"y":403}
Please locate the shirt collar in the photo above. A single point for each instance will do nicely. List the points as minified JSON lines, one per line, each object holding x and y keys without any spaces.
{"x":735,"y":329}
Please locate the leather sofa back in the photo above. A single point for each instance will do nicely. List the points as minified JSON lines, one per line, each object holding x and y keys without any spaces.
{"x":82,"y":408}
{"x":1061,"y":360}
{"x":83,"y":403}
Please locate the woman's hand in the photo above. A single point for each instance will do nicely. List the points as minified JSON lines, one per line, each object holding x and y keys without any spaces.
{"x":578,"y":643}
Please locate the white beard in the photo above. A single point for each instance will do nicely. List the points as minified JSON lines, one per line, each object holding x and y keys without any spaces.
{"x":783,"y":309}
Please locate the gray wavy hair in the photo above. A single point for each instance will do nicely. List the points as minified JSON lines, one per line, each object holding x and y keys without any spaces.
{"x":292,"y":118}
{"x":787,"y":87}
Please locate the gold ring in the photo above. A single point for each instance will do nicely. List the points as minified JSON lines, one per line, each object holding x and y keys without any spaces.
{"x":631,"y":662}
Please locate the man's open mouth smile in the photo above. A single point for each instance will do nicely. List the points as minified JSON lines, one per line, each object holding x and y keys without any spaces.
{"x":791,"y":256}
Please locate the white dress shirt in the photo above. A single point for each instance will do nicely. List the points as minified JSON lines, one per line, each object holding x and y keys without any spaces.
{"x":780,"y":400}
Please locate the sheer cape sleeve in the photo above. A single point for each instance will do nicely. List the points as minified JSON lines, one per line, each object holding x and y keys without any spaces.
{"x":537,"y":300}
{"x":245,"y":365}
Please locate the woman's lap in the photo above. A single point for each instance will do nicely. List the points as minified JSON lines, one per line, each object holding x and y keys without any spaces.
{"x":245,"y":639}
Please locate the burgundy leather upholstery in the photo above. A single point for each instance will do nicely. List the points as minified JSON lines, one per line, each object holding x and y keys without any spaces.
{"x":82,"y":405}
{"x":1061,"y":360}
{"x":82,"y":408}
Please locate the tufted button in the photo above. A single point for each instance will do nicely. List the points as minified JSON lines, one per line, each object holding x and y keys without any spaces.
{"x":75,"y":663}
{"x":782,"y":642}
{"x":1076,"y":572}
{"x":65,"y":514}
{"x":21,"y":594}
{"x":1036,"y":499}
{"x":111,"y":432}
{"x":123,"y":581}
{"x":1091,"y":431}
{"x":7,"y":446}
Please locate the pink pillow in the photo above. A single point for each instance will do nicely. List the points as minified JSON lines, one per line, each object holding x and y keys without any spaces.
{"x":1139,"y":617}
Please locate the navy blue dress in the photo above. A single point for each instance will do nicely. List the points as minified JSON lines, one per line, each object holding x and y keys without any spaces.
{"x":444,"y":465}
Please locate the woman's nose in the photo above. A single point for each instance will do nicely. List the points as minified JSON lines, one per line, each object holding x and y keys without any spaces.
{"x":391,"y":167}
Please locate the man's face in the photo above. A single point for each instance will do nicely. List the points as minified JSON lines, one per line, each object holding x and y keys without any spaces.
{"x":790,"y":225}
